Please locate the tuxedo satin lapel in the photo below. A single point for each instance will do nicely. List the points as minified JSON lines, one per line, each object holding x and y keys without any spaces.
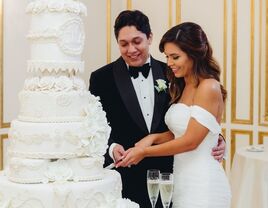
{"x":127,"y":92}
{"x":160,"y":97}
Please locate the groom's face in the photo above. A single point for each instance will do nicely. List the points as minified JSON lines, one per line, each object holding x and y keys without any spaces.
{"x":133,"y":45}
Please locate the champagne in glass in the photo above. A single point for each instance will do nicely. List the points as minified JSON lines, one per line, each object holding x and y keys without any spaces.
{"x":153,"y":185}
{"x":166,"y":188}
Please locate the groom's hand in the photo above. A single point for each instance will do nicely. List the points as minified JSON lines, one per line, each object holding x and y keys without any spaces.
{"x":132,"y":157}
{"x":118,"y":153}
{"x":219,"y":150}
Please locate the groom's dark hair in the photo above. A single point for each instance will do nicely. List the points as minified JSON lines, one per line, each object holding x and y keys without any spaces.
{"x":132,"y":18}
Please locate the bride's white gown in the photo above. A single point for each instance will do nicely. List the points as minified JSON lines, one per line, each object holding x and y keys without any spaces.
{"x":199,"y":180}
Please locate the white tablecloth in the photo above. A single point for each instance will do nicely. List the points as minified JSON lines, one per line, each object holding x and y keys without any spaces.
{"x":249,"y":179}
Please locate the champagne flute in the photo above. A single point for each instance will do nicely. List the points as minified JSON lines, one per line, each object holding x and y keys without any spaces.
{"x":153,"y":185}
{"x":166,"y":188}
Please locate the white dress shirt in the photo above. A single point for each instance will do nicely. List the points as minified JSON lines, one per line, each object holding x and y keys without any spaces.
{"x":144,"y":89}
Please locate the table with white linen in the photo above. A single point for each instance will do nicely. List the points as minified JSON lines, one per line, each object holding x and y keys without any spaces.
{"x":249,"y":178}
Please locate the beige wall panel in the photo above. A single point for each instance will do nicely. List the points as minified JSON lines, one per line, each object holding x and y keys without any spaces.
{"x":263,"y":138}
{"x":158,"y":13}
{"x":116,"y":8}
{"x":263,"y":66}
{"x":94,"y":53}
{"x":243,"y":79}
{"x":15,"y":54}
{"x":240,"y":138}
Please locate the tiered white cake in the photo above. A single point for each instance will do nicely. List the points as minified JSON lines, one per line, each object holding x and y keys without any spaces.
{"x":61,"y":134}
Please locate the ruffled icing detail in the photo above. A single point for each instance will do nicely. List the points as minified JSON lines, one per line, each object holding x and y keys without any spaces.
{"x":55,"y":66}
{"x":54,"y":84}
{"x":44,"y":34}
{"x":71,"y":6}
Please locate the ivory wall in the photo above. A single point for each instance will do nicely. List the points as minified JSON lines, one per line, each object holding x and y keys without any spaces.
{"x":237,"y":30}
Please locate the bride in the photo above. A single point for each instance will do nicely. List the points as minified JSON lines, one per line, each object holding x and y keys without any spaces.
{"x":193,"y":119}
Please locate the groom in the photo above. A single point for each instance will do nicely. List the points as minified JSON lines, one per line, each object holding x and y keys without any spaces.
{"x":133,"y":106}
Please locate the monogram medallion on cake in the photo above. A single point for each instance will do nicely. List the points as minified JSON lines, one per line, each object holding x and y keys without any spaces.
{"x":72,"y":36}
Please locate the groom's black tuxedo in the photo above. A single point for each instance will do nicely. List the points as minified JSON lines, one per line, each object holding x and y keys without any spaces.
{"x":113,"y":85}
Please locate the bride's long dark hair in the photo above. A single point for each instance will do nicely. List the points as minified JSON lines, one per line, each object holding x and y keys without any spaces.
{"x":191,"y":39}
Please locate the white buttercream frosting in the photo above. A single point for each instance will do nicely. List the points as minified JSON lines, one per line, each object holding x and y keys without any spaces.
{"x":105,"y":193}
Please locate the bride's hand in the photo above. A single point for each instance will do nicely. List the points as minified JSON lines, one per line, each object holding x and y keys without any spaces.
{"x":132,"y":157}
{"x":145,"y":142}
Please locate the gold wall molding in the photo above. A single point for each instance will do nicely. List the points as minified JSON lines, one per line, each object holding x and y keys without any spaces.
{"x":1,"y":67}
{"x":260,"y":63}
{"x":4,"y":136}
{"x":234,"y":119}
{"x":170,"y":14}
{"x":263,"y":112}
{"x":224,"y":51}
{"x":108,"y":28}
{"x":129,"y":4}
{"x":266,"y":64}
{"x":234,"y":56}
{"x":178,"y":11}
{"x":261,"y":136}
{"x":234,"y":133}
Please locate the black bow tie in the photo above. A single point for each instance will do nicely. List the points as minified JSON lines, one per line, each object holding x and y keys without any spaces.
{"x":134,"y":70}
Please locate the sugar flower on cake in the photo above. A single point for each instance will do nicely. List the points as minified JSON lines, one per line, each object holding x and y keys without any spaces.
{"x":96,"y":125}
{"x":63,"y":83}
{"x":31,"y":83}
{"x":46,"y":83}
{"x":78,"y":83}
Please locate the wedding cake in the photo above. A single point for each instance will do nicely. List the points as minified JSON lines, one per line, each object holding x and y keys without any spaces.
{"x":57,"y":143}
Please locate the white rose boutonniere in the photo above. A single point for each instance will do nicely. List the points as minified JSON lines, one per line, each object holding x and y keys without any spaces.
{"x":160,"y":85}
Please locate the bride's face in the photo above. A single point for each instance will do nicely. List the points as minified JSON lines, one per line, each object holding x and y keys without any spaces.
{"x":178,"y":61}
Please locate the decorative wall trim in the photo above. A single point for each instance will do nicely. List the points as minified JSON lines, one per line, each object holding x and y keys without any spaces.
{"x":234,"y":119}
{"x":261,"y":136}
{"x":4,"y":136}
{"x":260,"y":62}
{"x":234,"y":58}
{"x":252,"y":60}
{"x":129,"y":4}
{"x":2,"y":123}
{"x":108,"y":28}
{"x":262,"y":112}
{"x":170,"y":14}
{"x":224,"y":51}
{"x":178,"y":11}
{"x":266,"y":65}
{"x":1,"y":65}
{"x":234,"y":132}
